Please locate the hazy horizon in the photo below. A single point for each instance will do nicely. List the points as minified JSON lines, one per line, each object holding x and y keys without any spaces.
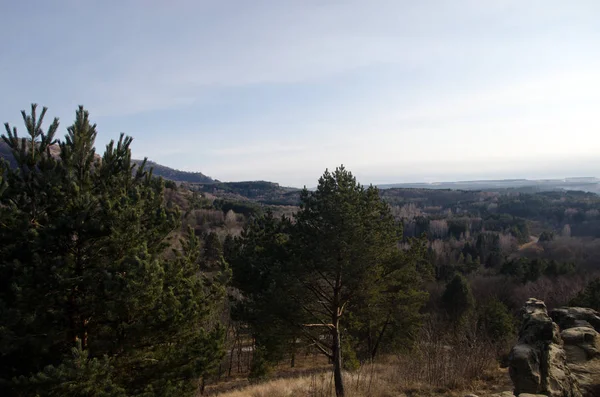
{"x":397,"y":91}
{"x":569,"y":171}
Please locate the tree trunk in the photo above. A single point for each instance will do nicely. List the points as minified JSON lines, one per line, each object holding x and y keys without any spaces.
{"x":337,"y":363}
{"x":379,"y":337}
{"x":231,"y":354}
{"x":293,"y":362}
{"x":202,"y":386}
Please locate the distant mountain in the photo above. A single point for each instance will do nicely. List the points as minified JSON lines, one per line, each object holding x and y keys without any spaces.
{"x":6,"y":154}
{"x":176,"y":175}
{"x":158,"y":169}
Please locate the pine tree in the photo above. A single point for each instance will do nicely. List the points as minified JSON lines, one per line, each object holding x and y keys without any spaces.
{"x":589,"y":296}
{"x":260,"y":262}
{"x":336,"y":271}
{"x":496,"y":321}
{"x":344,"y":235}
{"x":212,"y":257}
{"x":458,"y":299}
{"x":78,"y":375}
{"x":84,"y":266}
{"x":386,"y":317}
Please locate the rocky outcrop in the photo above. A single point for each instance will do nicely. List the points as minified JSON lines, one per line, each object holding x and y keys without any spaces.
{"x":574,"y":317}
{"x":581,"y":344}
{"x":538,"y":363}
{"x":580,"y":327}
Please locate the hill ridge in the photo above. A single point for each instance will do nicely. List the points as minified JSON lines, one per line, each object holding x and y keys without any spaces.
{"x":158,"y":169}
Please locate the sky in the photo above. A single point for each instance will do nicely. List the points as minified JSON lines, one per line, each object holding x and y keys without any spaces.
{"x":280,"y":90}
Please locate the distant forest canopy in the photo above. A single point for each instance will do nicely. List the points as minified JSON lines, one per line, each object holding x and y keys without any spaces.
{"x":588,"y":184}
{"x":495,"y":211}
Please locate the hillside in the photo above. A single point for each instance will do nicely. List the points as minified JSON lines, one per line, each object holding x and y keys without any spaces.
{"x":176,"y":175}
{"x":263,"y":192}
{"x":158,"y":169}
{"x":6,"y":154}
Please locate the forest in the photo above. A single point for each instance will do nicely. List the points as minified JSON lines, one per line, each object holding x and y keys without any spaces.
{"x":117,"y":282}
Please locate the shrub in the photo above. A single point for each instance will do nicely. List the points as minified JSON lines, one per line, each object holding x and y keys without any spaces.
{"x":496,"y":321}
{"x":458,"y":299}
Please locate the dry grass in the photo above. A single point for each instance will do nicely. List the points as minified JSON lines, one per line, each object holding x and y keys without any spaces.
{"x":319,"y":385}
{"x":433,"y":368}
{"x":378,"y":380}
{"x":441,"y":363}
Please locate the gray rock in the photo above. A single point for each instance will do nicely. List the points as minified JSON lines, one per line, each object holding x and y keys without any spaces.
{"x":581,"y":344}
{"x":538,"y":363}
{"x":573,"y":317}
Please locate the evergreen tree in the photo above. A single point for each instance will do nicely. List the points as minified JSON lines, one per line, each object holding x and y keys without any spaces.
{"x":336,"y":272}
{"x":78,"y":375}
{"x":83,"y":265}
{"x":555,"y":269}
{"x":496,"y":321}
{"x":386,"y":317}
{"x":458,"y":299}
{"x":589,"y":296}
{"x":229,"y":248}
{"x":488,"y":247}
{"x":534,"y":270}
{"x":471,"y":265}
{"x":516,"y":268}
{"x":260,"y":262}
{"x":212,"y":257}
{"x":546,"y":236}
{"x":344,"y":236}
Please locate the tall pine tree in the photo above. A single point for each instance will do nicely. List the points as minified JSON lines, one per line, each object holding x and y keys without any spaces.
{"x":344,"y":236}
{"x":335,"y":272}
{"x":89,"y":302}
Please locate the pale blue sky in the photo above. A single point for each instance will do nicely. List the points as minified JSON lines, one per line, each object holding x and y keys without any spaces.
{"x":398,"y":91}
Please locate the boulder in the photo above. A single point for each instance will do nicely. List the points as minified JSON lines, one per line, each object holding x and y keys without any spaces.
{"x":574,"y":317}
{"x":538,"y":363}
{"x":581,"y":344}
{"x":580,"y":333}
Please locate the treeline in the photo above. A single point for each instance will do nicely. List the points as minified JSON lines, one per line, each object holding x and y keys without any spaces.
{"x":497,"y":210}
